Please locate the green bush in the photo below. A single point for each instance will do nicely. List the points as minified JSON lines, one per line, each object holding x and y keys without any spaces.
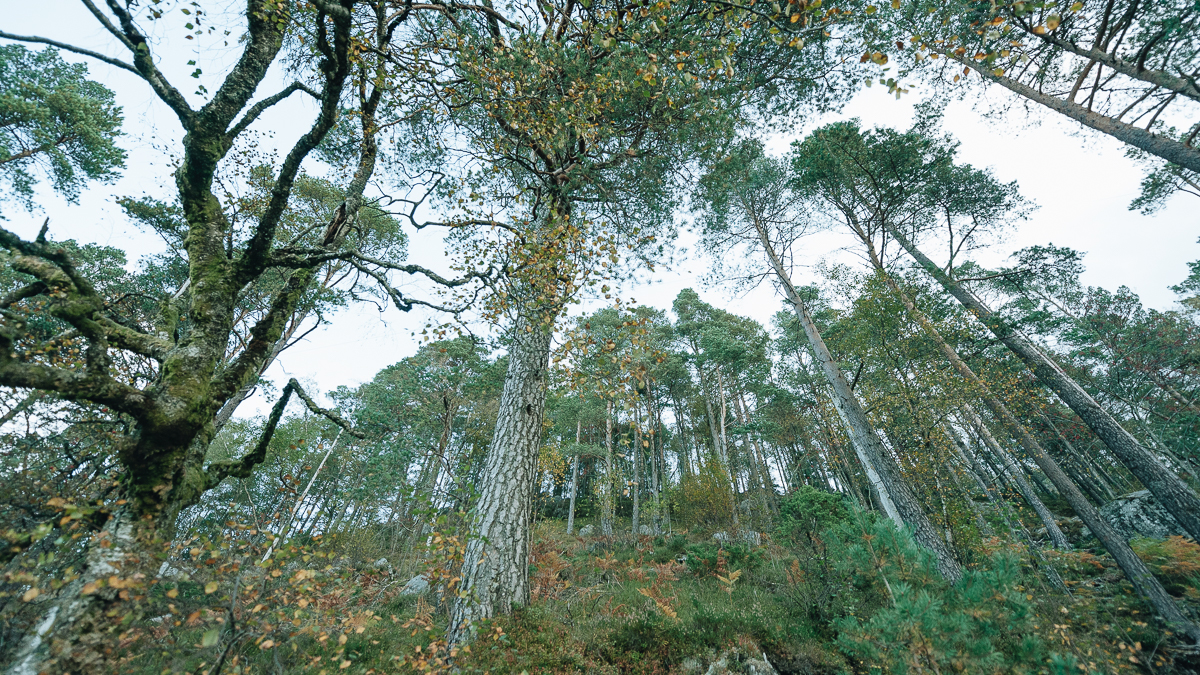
{"x":807,"y":511}
{"x":668,"y":548}
{"x":706,"y":559}
{"x":983,"y":624}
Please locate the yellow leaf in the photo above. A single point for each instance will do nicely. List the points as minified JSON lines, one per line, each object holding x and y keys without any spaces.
{"x":210,"y":588}
{"x":1076,"y":7}
{"x":30,"y":595}
{"x":267,"y":644}
{"x":173,"y":593}
{"x":1052,"y":21}
{"x":895,"y":4}
{"x":345,"y":665}
{"x":89,"y":588}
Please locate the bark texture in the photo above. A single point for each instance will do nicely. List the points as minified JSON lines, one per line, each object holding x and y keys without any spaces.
{"x":495,"y":571}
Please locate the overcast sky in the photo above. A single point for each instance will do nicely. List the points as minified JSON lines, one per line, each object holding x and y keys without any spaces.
{"x":1082,"y":184}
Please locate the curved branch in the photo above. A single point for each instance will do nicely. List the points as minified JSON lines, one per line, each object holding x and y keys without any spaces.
{"x":258,"y":108}
{"x":71,"y":48}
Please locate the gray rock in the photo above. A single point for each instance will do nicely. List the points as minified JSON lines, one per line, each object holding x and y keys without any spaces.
{"x":383,"y":565}
{"x":1138,"y":514}
{"x":748,"y":536}
{"x":169,"y":571}
{"x":748,"y":660}
{"x":418,"y":585}
{"x":646,"y":530}
{"x":587,"y":530}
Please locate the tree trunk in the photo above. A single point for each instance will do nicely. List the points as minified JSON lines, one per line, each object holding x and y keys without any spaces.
{"x":976,"y":470}
{"x":882,"y":470}
{"x":636,"y":486}
{"x":73,"y":632}
{"x":607,"y":510}
{"x":495,"y":570}
{"x":1095,"y":482}
{"x":574,"y":478}
{"x":1168,"y":488}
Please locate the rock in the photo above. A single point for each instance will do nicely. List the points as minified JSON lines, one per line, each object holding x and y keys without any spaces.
{"x":418,"y":585}
{"x":587,"y":530}
{"x":747,"y":659}
{"x":1138,"y":514}
{"x":646,"y":530}
{"x":383,"y":565}
{"x":169,"y":571}
{"x":748,"y":536}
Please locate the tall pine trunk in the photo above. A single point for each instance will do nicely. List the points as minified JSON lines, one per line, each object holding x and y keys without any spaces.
{"x":495,"y":570}
{"x":574,"y":478}
{"x":882,"y":470}
{"x":609,"y":506}
{"x":1168,"y":488}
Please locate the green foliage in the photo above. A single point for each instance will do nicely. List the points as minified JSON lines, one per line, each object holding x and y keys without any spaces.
{"x":709,"y":559}
{"x":984,"y":623}
{"x":702,"y":499}
{"x":808,"y":511}
{"x":57,"y":124}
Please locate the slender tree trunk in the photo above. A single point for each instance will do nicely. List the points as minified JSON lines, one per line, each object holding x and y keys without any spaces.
{"x":1170,"y":490}
{"x":1097,"y":487}
{"x":283,"y":532}
{"x":574,"y":478}
{"x":495,"y":569}
{"x":973,"y":467}
{"x":1057,"y":538}
{"x":637,"y":473}
{"x":723,"y":450}
{"x":607,"y":511}
{"x":905,"y":509}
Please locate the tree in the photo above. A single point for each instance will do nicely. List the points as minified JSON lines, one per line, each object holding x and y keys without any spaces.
{"x":883,"y":184}
{"x":747,"y":203}
{"x":171,"y":415}
{"x":575,"y":124}
{"x":54,"y":122}
{"x":1122,"y":67}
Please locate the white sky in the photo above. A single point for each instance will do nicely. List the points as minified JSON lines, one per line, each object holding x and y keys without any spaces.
{"x":1082,"y":183}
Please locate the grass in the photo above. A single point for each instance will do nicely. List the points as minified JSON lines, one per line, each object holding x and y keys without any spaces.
{"x":852,"y":600}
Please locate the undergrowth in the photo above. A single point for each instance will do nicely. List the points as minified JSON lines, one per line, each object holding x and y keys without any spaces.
{"x":832,"y":590}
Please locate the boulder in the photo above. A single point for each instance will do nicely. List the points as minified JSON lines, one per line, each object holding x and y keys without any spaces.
{"x":418,"y":585}
{"x":749,"y":536}
{"x":746,"y":659}
{"x":383,"y":565}
{"x":646,"y":530}
{"x":587,"y":530}
{"x":1138,"y":514}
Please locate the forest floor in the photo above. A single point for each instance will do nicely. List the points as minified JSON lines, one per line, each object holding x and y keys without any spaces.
{"x":855,"y":597}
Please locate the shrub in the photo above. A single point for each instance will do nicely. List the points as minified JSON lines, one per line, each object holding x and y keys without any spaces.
{"x":983,"y":624}
{"x":807,"y":511}
{"x":702,"y":499}
{"x":707,"y":559}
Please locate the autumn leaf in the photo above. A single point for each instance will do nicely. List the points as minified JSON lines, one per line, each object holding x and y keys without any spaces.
{"x":210,"y":638}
